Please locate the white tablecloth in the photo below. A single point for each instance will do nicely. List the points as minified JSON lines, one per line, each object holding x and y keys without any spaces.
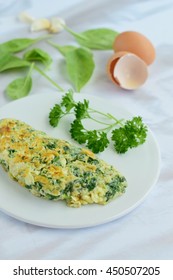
{"x":147,"y":231}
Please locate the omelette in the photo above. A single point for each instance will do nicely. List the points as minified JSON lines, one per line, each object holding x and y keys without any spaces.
{"x":55,"y":169}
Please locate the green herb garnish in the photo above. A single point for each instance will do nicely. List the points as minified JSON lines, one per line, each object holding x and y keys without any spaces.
{"x":126,"y":134}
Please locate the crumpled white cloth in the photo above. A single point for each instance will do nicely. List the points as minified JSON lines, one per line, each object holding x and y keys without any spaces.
{"x":146,"y":232}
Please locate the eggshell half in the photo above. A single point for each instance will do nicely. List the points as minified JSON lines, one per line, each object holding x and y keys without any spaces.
{"x":127,"y":70}
{"x":135,"y":42}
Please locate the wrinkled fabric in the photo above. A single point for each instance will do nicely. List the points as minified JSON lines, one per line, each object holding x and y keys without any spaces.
{"x":146,"y":232}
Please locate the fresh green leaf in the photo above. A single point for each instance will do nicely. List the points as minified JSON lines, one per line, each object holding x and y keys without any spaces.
{"x":78,"y":132}
{"x":79,"y":62}
{"x":9,"y":61}
{"x":68,"y":101}
{"x":80,"y":66}
{"x":19,"y":44}
{"x":120,"y":139}
{"x":21,"y":86}
{"x":97,"y":39}
{"x":81,"y":109}
{"x":55,"y":115}
{"x":97,"y":141}
{"x":57,"y":112}
{"x":131,"y":135}
{"x":138,"y":129}
{"x":66,"y":49}
{"x":38,"y":55}
{"x":62,"y":49}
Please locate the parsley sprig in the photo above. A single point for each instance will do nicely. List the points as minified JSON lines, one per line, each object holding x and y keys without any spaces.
{"x":124,"y":134}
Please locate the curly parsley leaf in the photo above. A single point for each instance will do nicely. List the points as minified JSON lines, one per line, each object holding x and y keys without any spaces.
{"x":81,"y":109}
{"x":97,"y":141}
{"x":68,"y":101}
{"x":78,"y":132}
{"x":131,"y":135}
{"x":55,"y":115}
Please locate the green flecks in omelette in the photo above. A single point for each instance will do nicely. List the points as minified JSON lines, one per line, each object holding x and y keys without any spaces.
{"x":55,"y":169}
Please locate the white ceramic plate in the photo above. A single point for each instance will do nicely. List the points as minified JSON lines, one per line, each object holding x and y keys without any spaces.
{"x":140,"y":166}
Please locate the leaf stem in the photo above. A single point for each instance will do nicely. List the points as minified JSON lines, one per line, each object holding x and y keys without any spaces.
{"x":29,"y":73}
{"x":47,"y":36}
{"x":98,"y":121}
{"x":109,"y":126}
{"x":75,"y":34}
{"x":48,"y":78}
{"x":107,"y":115}
{"x":30,"y":69}
{"x":53,"y":44}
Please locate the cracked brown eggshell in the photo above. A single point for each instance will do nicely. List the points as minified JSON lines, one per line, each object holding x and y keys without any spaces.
{"x":127,"y":70}
{"x":137,"y":43}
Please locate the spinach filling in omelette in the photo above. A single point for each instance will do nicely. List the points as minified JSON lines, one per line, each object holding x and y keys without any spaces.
{"x":54,"y":168}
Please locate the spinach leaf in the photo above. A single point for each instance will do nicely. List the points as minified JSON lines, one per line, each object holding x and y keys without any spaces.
{"x":79,"y":62}
{"x":9,"y":61}
{"x":19,"y":44}
{"x":20,"y":87}
{"x":98,"y":39}
{"x":80,"y":66}
{"x":38,"y":55}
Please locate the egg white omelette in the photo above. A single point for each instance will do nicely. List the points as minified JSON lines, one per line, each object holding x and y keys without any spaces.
{"x":55,"y":169}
